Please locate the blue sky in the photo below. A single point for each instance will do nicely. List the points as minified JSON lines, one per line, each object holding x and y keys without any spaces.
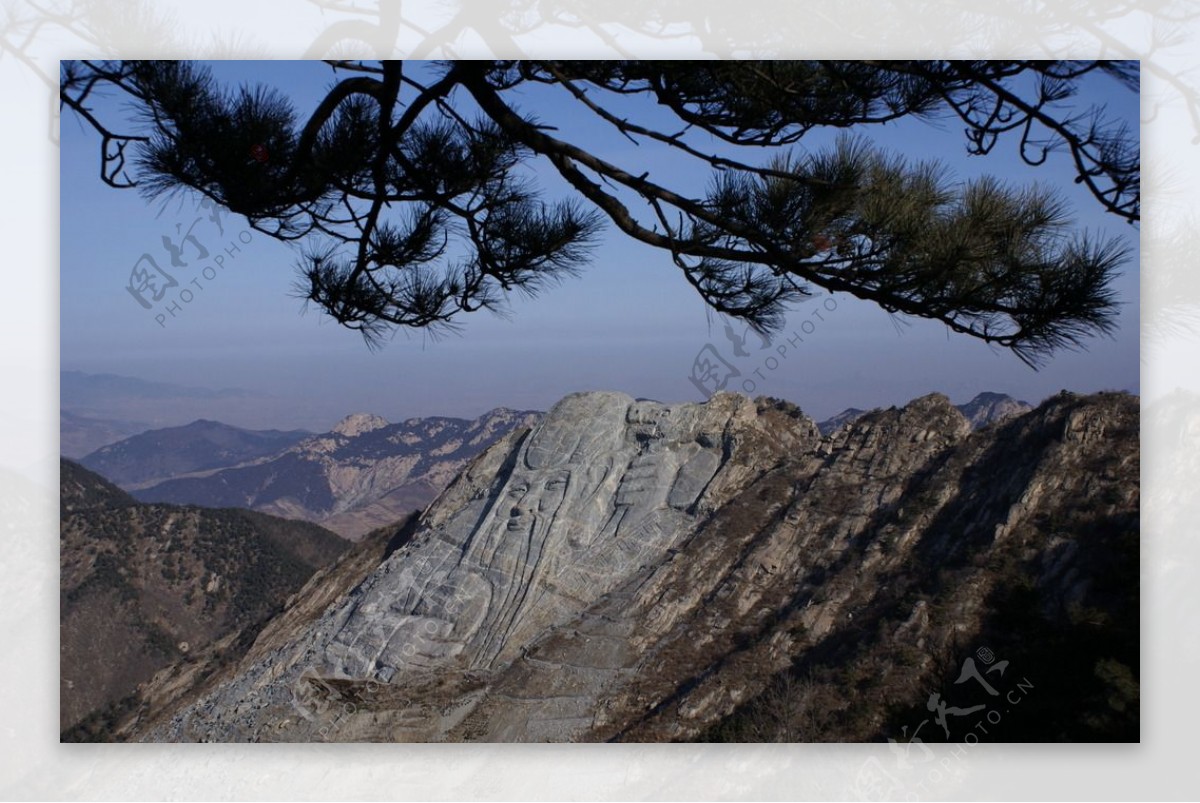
{"x":630,"y":322}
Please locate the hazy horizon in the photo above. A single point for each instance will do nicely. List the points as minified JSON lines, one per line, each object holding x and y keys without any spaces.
{"x":243,"y":408}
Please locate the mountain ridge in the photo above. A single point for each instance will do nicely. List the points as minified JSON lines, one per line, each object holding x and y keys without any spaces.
{"x":987,"y":407}
{"x":167,"y":453}
{"x":362,"y":474}
{"x":638,"y":571}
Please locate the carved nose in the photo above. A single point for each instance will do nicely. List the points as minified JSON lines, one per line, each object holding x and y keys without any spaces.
{"x":516,"y":518}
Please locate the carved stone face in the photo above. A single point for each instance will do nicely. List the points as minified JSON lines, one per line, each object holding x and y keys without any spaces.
{"x":535,"y":500}
{"x":558,"y":473}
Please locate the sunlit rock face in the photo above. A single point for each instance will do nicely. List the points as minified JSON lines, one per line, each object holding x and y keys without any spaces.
{"x":628,"y":570}
{"x":600,"y":487}
{"x":543,"y":526}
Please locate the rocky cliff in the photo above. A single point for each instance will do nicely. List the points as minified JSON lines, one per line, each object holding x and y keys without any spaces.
{"x":628,"y":570}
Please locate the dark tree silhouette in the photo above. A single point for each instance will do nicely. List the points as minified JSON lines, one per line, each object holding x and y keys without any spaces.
{"x":403,"y":186}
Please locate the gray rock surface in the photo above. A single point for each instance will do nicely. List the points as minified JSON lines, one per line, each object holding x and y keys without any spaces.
{"x":633,"y":570}
{"x":989,"y":408}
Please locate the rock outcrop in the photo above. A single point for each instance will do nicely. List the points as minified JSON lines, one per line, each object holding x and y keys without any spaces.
{"x":353,"y":425}
{"x":629,"y":570}
{"x":986,"y":408}
{"x":834,"y":423}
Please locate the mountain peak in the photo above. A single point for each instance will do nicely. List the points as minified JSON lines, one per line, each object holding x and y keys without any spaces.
{"x":989,"y":407}
{"x":358,"y":423}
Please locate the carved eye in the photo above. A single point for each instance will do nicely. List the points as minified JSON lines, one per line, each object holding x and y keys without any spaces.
{"x":556,"y":484}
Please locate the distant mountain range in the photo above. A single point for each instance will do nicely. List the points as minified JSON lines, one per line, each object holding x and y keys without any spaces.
{"x":162,"y":454}
{"x":77,"y":388}
{"x":99,"y":409}
{"x":81,"y":434}
{"x":834,"y":423}
{"x":143,"y":586}
{"x":984,"y":409}
{"x":364,"y":473}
